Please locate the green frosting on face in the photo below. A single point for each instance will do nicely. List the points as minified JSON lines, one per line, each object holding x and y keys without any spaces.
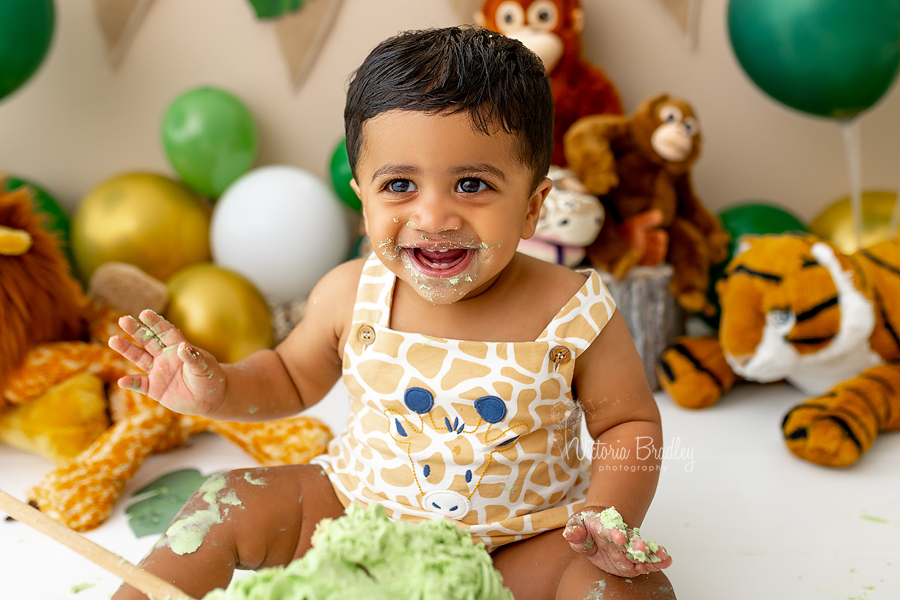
{"x":366,"y":556}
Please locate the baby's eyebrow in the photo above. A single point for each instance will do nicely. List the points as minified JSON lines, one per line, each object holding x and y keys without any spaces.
{"x":393,"y":169}
{"x":479,"y":168}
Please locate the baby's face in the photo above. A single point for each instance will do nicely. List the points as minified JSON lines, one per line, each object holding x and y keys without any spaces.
{"x":445,"y":205}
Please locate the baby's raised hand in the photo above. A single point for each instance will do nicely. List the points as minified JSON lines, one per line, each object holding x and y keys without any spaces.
{"x":601,"y":534}
{"x":182,"y":378}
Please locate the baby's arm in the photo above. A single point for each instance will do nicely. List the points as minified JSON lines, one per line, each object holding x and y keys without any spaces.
{"x":267,"y":384}
{"x":623,"y":420}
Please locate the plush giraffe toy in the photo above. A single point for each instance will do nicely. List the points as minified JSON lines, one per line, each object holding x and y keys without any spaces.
{"x":52,"y":332}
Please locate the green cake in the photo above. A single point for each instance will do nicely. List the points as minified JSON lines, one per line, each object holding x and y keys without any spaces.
{"x":366,"y":556}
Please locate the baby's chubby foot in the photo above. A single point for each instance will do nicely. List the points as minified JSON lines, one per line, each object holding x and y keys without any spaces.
{"x":601,"y":534}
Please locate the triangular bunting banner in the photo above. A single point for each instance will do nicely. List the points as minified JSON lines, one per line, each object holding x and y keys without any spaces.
{"x":119,"y":22}
{"x":466,"y":9}
{"x":302,"y":34}
{"x":686,"y":14}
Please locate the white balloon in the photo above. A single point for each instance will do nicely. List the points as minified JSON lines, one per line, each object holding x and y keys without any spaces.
{"x":280,"y":227}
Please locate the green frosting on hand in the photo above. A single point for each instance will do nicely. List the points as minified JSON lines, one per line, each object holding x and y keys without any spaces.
{"x":611,"y":519}
{"x":367,"y":556}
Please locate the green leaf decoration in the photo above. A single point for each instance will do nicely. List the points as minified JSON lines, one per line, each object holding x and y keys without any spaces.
{"x":162,"y":499}
{"x":272,"y":9}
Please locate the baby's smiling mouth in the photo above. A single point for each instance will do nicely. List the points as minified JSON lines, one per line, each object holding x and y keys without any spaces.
{"x":440,"y":263}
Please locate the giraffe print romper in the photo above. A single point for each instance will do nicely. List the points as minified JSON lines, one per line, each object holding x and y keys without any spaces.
{"x":484,"y":433}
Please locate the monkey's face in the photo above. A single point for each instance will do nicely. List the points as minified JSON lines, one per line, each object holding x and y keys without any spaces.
{"x":539,"y":24}
{"x":675,"y":132}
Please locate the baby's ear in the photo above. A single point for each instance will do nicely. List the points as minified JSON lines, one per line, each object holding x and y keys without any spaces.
{"x":535,"y":202}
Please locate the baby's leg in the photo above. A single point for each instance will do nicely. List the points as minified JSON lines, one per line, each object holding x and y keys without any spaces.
{"x":546,"y":568}
{"x":243,"y":519}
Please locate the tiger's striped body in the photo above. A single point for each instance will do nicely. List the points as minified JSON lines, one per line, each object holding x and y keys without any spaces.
{"x":795,"y":308}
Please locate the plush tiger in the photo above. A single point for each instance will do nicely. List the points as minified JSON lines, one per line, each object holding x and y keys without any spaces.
{"x":794,"y":308}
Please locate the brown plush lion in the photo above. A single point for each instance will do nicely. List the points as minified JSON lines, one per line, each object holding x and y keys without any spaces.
{"x":52,"y":334}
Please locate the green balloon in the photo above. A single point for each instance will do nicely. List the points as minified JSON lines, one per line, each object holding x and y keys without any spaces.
{"x":26,"y":27}
{"x":748,"y":218}
{"x":341,"y":176}
{"x":758,"y":218}
{"x":210,"y":139}
{"x":832,"y":58}
{"x":56,"y":220}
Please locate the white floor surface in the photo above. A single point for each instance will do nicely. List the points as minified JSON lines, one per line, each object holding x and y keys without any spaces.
{"x":743,"y":518}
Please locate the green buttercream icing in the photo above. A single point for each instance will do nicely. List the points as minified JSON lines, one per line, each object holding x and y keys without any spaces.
{"x":185,"y":535}
{"x":249,"y":478}
{"x":611,"y":519}
{"x":366,"y":556}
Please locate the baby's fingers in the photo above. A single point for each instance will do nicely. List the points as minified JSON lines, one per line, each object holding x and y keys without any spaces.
{"x":664,"y":559}
{"x":575,"y":532}
{"x":143,"y":335}
{"x":598,"y":531}
{"x":136,"y":383}
{"x":167,"y":333}
{"x":137,"y":355}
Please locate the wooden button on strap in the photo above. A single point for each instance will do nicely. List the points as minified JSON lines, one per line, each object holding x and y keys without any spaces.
{"x":560,"y":355}
{"x":366,"y":334}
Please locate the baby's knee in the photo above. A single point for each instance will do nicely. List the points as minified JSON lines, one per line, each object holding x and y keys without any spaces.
{"x":584,"y":580}
{"x":652,"y":586}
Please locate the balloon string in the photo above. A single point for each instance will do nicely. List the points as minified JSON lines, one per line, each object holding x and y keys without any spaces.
{"x":894,"y":223}
{"x":852,"y":145}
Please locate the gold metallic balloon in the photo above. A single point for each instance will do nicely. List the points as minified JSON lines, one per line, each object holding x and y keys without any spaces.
{"x":219,"y":311}
{"x":835,"y":223}
{"x":147,"y":220}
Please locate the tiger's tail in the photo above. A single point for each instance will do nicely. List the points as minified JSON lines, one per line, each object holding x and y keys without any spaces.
{"x":836,"y":429}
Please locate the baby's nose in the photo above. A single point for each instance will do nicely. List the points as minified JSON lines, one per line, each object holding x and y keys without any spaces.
{"x":435,"y":214}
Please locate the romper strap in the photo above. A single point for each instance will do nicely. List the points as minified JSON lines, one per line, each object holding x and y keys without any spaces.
{"x":374,"y":293}
{"x":584,"y":316}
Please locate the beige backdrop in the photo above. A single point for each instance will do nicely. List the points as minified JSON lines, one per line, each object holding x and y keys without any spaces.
{"x":78,"y":122}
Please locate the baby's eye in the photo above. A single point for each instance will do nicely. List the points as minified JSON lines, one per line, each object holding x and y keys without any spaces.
{"x":401,"y":186}
{"x":471,"y":186}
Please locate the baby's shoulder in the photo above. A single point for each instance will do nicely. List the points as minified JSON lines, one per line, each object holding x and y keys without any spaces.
{"x":544,"y":278}
{"x":548,"y":287}
{"x":344,"y":276}
{"x":336,"y":291}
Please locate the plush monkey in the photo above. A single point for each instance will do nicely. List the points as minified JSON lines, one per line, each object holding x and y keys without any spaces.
{"x":552,"y":29}
{"x":640,"y":166}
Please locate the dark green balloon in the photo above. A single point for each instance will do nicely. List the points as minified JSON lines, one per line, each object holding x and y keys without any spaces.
{"x":758,"y":218}
{"x":26,"y":28}
{"x":748,"y":218}
{"x":832,"y":58}
{"x":56,"y":220}
{"x":210,"y":138}
{"x":341,"y":176}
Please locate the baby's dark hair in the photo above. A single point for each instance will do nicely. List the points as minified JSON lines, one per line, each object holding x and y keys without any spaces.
{"x":495,"y":79}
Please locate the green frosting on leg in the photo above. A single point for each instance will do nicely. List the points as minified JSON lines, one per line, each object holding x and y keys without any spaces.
{"x":185,"y":536}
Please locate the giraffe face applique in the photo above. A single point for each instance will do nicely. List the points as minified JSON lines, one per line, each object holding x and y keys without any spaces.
{"x":453,"y":456}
